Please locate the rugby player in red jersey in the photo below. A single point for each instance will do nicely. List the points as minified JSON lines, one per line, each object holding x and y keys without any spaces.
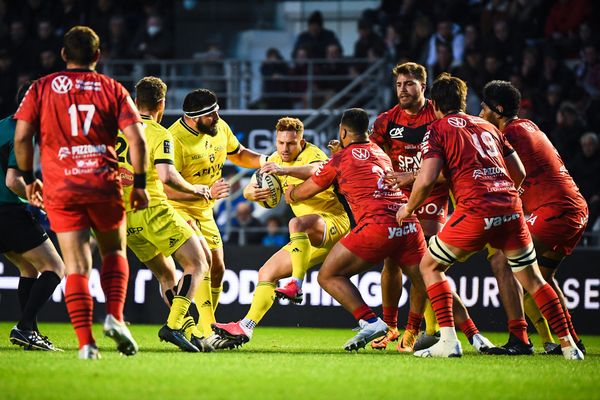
{"x":557,"y":211}
{"x":359,"y":170}
{"x":77,"y":113}
{"x":483,"y":172}
{"x":399,"y":132}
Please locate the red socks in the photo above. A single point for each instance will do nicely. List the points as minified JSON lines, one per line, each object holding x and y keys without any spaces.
{"x":548,"y":303}
{"x":414,"y":321}
{"x":390,"y":316}
{"x":571,"y":327}
{"x":518,"y":327}
{"x":80,"y":305}
{"x":113,"y":278}
{"x":440,"y":296}
{"x":364,"y":312}
{"x":469,"y":329}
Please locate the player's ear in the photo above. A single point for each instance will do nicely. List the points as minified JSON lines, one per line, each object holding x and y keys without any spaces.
{"x":63,"y":55}
{"x":96,"y":56}
{"x":501,"y":110}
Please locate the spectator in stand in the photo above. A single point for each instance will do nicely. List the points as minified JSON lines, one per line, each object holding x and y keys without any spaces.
{"x":555,"y":71}
{"x":69,"y":14}
{"x":274,"y":237}
{"x":447,"y":33}
{"x":584,"y":169}
{"x":153,"y":42}
{"x":530,"y":67}
{"x":527,"y":18}
{"x":569,"y":128}
{"x":367,"y":41}
{"x":21,"y":47}
{"x":316,"y":39}
{"x":588,"y":71}
{"x":565,"y":17}
{"x":548,"y":108}
{"x":117,"y":43}
{"x":493,"y":10}
{"x":244,"y":226}
{"x":298,"y":84}
{"x":504,"y":43}
{"x":274,"y":71}
{"x":333,"y":74}
{"x":8,"y":87}
{"x":48,"y":63}
{"x":471,"y":71}
{"x":443,"y":61}
{"x":493,"y":67}
{"x":472,"y":39}
{"x":46,"y":39}
{"x":393,"y":43}
{"x":419,"y":40}
{"x":100,"y":17}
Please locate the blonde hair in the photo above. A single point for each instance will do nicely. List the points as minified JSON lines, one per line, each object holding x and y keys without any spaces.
{"x":290,"y":124}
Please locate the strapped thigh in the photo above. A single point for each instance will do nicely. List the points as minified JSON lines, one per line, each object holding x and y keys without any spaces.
{"x":525,"y":259}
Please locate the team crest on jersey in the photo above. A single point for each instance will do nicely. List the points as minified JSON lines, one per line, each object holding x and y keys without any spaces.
{"x":63,"y":153}
{"x":211,"y":158}
{"x":457,"y":122}
{"x":361,"y":154}
{"x":166,"y":147}
{"x":61,"y":84}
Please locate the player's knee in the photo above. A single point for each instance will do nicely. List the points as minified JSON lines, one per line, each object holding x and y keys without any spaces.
{"x":525,"y":258}
{"x":296,"y":225}
{"x":440,"y":253}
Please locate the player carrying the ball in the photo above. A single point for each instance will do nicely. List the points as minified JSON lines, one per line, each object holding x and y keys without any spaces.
{"x":319,"y":223}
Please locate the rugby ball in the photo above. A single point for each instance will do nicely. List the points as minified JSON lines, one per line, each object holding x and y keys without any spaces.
{"x":271,"y":182}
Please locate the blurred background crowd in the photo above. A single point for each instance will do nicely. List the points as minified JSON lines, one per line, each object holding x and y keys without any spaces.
{"x":546,"y":48}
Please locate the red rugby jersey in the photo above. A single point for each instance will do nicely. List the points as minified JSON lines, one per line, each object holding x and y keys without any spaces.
{"x":400,"y":135}
{"x":547,"y":180}
{"x":77,"y":114}
{"x":473,"y":151}
{"x":359,"y":170}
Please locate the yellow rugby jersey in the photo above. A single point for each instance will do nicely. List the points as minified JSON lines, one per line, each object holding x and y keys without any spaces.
{"x":326,"y":201}
{"x":199,"y":157}
{"x":159,"y":144}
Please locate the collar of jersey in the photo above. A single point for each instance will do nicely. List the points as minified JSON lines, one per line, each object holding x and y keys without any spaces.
{"x":79,"y":70}
{"x":189,"y":128}
{"x":353,"y":143}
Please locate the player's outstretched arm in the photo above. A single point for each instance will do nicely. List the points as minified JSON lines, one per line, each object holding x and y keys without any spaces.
{"x":247,"y":158}
{"x":515,"y":168}
{"x":426,"y":179}
{"x":169,"y":176}
{"x":305,"y":190}
{"x":297,"y":171}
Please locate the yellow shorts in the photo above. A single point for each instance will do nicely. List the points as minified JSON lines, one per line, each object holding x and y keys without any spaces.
{"x":157,"y":229}
{"x":205,"y":225}
{"x":491,"y":251}
{"x":336,"y":226}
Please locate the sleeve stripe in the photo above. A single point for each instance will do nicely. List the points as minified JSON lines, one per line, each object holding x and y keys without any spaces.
{"x":163,"y":161}
{"x":237,"y":149}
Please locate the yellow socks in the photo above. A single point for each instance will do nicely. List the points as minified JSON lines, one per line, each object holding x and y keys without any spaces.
{"x":300,"y":254}
{"x":534,"y":314}
{"x":431,"y":324}
{"x":263,"y":299}
{"x":179,"y":308}
{"x":215,"y":293}
{"x":203,"y":300}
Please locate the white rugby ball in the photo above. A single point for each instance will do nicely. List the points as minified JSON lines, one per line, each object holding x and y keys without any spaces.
{"x":271,"y":182}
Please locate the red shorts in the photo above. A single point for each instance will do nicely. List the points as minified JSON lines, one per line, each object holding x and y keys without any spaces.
{"x":435,"y":208}
{"x":374,"y":242}
{"x":102,"y":217}
{"x":558,"y":228}
{"x":472,"y":232}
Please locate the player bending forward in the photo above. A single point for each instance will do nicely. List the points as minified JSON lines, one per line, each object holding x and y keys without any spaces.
{"x":483,"y":171}
{"x":319,"y":223}
{"x":359,"y":169}
{"x":156,"y":233}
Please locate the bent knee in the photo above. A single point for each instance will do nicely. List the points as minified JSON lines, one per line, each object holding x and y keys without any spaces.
{"x":296,"y":225}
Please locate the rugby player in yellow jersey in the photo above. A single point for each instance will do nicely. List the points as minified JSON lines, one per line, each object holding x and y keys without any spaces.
{"x":203,"y":142}
{"x":157,"y":232}
{"x":319,"y":223}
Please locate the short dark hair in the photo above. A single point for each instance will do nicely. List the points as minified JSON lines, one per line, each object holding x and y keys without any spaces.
{"x":149,"y":91}
{"x":449,"y":93}
{"x":357,"y":120}
{"x":415,"y":70}
{"x":22,"y":91}
{"x":502,"y":93}
{"x":81,"y":44}
{"x":198,"y":99}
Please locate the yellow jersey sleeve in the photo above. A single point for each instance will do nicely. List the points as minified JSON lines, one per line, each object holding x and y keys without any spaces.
{"x":233,"y":144}
{"x":162,"y":147}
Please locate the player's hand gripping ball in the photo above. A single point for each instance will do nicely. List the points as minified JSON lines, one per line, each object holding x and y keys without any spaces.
{"x":271,"y":182}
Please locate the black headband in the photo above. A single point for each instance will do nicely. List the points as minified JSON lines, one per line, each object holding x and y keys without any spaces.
{"x":494,"y":108}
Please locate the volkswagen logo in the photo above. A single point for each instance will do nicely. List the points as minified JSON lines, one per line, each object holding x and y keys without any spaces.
{"x":361,"y":154}
{"x":457,"y":122}
{"x":61,"y":84}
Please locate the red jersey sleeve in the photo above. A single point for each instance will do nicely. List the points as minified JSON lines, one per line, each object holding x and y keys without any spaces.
{"x":128,"y":112}
{"x":432,"y":144}
{"x":377,"y":135}
{"x":507,"y":149}
{"x":326,"y":174}
{"x":29,"y":109}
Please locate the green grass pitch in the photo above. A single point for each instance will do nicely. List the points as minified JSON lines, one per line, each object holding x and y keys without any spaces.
{"x":286,"y":363}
